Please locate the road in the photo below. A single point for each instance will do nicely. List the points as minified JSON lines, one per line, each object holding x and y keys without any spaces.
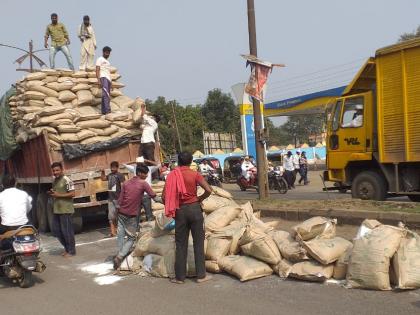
{"x":84,"y":284}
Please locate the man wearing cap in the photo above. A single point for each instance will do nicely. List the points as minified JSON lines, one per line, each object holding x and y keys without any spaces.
{"x":88,"y":39}
{"x":357,"y":120}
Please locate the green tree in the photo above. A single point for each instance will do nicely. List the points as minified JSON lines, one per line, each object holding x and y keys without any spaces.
{"x":408,"y":36}
{"x":301,"y":127}
{"x":277,"y":135}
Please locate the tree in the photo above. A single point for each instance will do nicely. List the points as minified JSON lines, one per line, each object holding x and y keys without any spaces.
{"x":301,"y":127}
{"x":408,"y":36}
{"x":277,"y":135}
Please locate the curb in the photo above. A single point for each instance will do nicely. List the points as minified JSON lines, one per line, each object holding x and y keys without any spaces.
{"x":411,"y":220}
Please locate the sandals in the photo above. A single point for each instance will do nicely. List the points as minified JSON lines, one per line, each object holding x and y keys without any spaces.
{"x":176,"y":281}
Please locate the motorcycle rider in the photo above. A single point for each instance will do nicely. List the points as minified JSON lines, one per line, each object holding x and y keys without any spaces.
{"x":248,"y":169}
{"x":14,"y":206}
{"x":205,"y":169}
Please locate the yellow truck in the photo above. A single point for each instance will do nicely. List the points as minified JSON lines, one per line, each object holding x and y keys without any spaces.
{"x":373,"y":143}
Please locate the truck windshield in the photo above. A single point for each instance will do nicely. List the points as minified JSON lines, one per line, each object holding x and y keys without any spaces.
{"x":337,"y":114}
{"x":353,"y":113}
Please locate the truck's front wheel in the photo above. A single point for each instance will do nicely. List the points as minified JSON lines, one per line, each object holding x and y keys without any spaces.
{"x":369,"y":186}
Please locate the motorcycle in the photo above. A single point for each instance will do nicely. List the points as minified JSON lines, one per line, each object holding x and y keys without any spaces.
{"x":213,"y":178}
{"x":277,"y":182}
{"x":19,"y":251}
{"x":244,"y":183}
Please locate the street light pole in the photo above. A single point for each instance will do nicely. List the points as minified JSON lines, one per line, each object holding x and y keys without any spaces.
{"x":260,"y":148}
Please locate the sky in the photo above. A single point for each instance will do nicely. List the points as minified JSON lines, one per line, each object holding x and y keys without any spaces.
{"x":182,"y":49}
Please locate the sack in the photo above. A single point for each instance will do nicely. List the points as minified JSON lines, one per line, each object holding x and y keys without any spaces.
{"x":160,"y":266}
{"x":315,"y":227}
{"x":52,"y":101}
{"x":55,"y":138}
{"x":247,"y":216}
{"x":370,"y":258}
{"x":212,"y":266}
{"x":66,"y":96}
{"x":311,"y":271}
{"x":263,"y":249}
{"x":117,"y":85}
{"x":162,"y":224}
{"x":68,"y":85}
{"x":35,"y":76}
{"x":96,"y":139}
{"x":69,"y":137}
{"x":288,"y":247}
{"x":125,"y":124}
{"x":154,"y":245}
{"x":326,"y":251}
{"x":96,"y":91}
{"x":68,"y":129}
{"x":218,"y":247}
{"x":215,"y":202}
{"x":221,"y":192}
{"x":234,"y":232}
{"x":341,"y":265}
{"x":283,"y":268}
{"x":84,"y":134}
{"x":37,"y":131}
{"x":406,"y":262}
{"x":33,"y":84}
{"x":35,"y":103}
{"x":123,"y":101}
{"x":84,"y":97}
{"x":45,"y":90}
{"x":115,"y":76}
{"x":51,"y":110}
{"x":65,"y":78}
{"x":34,"y":95}
{"x":366,"y":227}
{"x":116,"y":116}
{"x":80,"y":87}
{"x":106,"y":131}
{"x":49,"y":79}
{"x":49,"y":119}
{"x":116,"y":92}
{"x":29,"y":109}
{"x":244,"y":268}
{"x":60,"y":122}
{"x":95,"y":123}
{"x":221,"y":217}
{"x":79,"y":74}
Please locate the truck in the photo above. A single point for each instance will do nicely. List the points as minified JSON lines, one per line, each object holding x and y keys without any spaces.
{"x":373,"y":129}
{"x":31,"y":165}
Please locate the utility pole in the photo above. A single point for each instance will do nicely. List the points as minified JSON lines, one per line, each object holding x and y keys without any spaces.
{"x":258,"y":122}
{"x":176,"y":126}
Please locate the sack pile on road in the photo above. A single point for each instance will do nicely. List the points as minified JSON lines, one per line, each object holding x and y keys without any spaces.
{"x":67,"y":105}
{"x":239,"y":243}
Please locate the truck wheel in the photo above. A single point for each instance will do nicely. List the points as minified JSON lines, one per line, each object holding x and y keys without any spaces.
{"x":77,"y":223}
{"x":41,"y":212}
{"x":369,"y":186}
{"x":415,"y":198}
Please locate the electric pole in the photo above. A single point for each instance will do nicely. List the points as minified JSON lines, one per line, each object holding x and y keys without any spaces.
{"x":176,"y":125}
{"x":258,"y":122}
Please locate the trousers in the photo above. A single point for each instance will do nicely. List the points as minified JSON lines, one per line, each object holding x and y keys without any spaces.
{"x":106,"y":96}
{"x":127,"y":227}
{"x":64,"y":232}
{"x":189,"y":218}
{"x":66,"y":52}
{"x":147,"y":150}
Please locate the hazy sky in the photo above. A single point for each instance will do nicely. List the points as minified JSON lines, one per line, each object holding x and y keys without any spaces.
{"x":182,"y":49}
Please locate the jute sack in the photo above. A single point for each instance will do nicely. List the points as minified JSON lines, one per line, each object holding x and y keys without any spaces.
{"x":84,"y":134}
{"x":63,"y":79}
{"x":29,"y":117}
{"x":115,"y":76}
{"x":84,"y":97}
{"x":22,"y":137}
{"x":52,"y":101}
{"x":247,"y":216}
{"x":50,"y":72}
{"x":79,"y":74}
{"x":117,"y":85}
{"x":96,"y":139}
{"x":311,"y":271}
{"x":155,"y":245}
{"x":315,"y":227}
{"x":215,"y":202}
{"x":156,"y":206}
{"x":38,"y":130}
{"x":221,"y":192}
{"x":69,"y":137}
{"x":106,"y":131}
{"x":66,"y":96}
{"x":283,"y":268}
{"x":69,"y":129}
{"x":50,"y":79}
{"x":326,"y":251}
{"x":49,"y":119}
{"x":288,"y":247}
{"x":221,"y":217}
{"x":54,"y":145}
{"x":84,"y":117}
{"x":51,"y":110}
{"x":370,"y":258}
{"x":406,"y":262}
{"x":161,"y":224}
{"x":124,"y":124}
{"x":160,"y":266}
{"x":218,"y":246}
{"x":114,"y":107}
{"x":95,"y":123}
{"x":96,"y":91}
{"x":244,"y":268}
{"x":68,"y":85}
{"x":45,"y":90}
{"x":55,"y":138}
{"x":212,"y":266}
{"x":34,"y":95}
{"x":91,"y":75}
{"x":29,"y":109}
{"x":80,"y":87}
{"x":234,"y":231}
{"x":37,"y":103}
{"x":60,"y":122}
{"x":82,"y":80}
{"x":263,"y":249}
{"x":35,"y":76}
{"x":116,"y":92}
{"x":33,"y":84}
{"x":341,"y":265}
{"x":123,"y":101}
{"x":120,"y":133}
{"x":117,"y":116}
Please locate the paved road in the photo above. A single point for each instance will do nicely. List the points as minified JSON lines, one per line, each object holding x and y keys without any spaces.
{"x":85,"y":285}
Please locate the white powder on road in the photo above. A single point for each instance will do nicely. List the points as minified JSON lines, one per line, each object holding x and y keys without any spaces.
{"x":102,"y":270}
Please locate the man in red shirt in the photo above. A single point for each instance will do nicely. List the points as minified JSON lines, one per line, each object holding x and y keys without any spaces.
{"x":188,"y":216}
{"x":130,"y":201}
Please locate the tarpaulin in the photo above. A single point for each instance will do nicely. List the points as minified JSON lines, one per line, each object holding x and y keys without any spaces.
{"x":73,"y":151}
{"x":8,"y":143}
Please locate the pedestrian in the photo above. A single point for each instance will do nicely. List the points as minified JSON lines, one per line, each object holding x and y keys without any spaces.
{"x":182,"y":203}
{"x":86,"y":35}
{"x":303,"y":163}
{"x":130,"y":201}
{"x":149,"y":127}
{"x":288,"y":169}
{"x":103,"y":74}
{"x":115,"y":180}
{"x":296,"y":165}
{"x":59,"y":41}
{"x":63,"y":193}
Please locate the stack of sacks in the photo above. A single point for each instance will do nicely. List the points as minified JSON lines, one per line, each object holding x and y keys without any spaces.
{"x":67,"y":105}
{"x":158,"y":189}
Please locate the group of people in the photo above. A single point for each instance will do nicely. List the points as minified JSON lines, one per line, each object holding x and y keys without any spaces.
{"x":294,"y":164}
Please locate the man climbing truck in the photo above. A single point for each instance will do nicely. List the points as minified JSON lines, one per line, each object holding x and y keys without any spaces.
{"x":374,"y":128}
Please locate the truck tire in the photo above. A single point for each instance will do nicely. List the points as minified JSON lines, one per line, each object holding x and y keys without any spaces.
{"x":369,"y":185}
{"x":41,"y":212}
{"x":77,"y":223}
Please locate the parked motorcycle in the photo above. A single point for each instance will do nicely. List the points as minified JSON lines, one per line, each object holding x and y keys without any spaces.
{"x":245,"y":184}
{"x":19,"y":251}
{"x":277,"y":182}
{"x":213,"y":178}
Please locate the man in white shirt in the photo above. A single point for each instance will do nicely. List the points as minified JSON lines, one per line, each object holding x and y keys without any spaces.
{"x":14,"y":206}
{"x":357,"y":120}
{"x":296,"y":165}
{"x":205,"y":168}
{"x":149,"y":127}
{"x":288,"y":169}
{"x":103,"y":74}
{"x":247,"y":168}
{"x":88,"y":39}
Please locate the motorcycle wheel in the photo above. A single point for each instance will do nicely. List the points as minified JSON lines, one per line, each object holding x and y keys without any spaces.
{"x":282,"y":186}
{"x":26,"y":280}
